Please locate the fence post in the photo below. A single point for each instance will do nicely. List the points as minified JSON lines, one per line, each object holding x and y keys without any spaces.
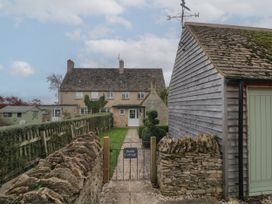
{"x":72,"y":131}
{"x":106,"y":159}
{"x":44,"y":142}
{"x":153,"y":164}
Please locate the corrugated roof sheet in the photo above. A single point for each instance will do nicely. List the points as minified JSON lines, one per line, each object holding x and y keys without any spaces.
{"x":237,"y":52}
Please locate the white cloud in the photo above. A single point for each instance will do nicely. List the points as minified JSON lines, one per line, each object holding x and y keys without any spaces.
{"x":99,"y":31}
{"x":74,"y":35}
{"x":222,"y":11}
{"x":119,"y":20}
{"x":145,"y":52}
{"x":61,"y":11}
{"x":21,"y":68}
{"x":133,"y":2}
{"x":1,"y":67}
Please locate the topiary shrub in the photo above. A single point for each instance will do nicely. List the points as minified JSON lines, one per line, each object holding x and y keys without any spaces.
{"x":140,"y":131}
{"x":150,"y":129}
{"x":164,"y":127}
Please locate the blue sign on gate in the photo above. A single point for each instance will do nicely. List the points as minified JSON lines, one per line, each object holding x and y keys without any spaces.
{"x":130,"y":152}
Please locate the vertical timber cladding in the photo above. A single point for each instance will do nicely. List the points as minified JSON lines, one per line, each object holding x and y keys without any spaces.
{"x":195,"y":102}
{"x":260,"y":140}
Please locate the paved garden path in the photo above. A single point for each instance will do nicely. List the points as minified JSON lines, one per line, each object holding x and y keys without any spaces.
{"x":133,"y":186}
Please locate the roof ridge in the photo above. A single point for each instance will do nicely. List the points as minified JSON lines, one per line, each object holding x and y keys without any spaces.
{"x":214,"y":25}
{"x":127,"y":68}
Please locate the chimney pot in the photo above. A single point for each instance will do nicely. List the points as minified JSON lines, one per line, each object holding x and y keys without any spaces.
{"x":121,"y":66}
{"x":70,"y":65}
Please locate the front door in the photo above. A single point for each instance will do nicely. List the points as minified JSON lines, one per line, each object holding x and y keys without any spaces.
{"x":56,"y":116}
{"x":133,"y":118}
{"x":260,"y":141}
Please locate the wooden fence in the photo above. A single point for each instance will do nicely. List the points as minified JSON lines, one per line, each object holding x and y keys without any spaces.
{"x":22,"y":147}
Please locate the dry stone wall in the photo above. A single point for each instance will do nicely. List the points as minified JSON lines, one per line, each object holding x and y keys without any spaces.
{"x":190,"y":167}
{"x":71,"y":175}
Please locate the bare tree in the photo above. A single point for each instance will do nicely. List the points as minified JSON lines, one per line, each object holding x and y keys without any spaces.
{"x":55,"y":81}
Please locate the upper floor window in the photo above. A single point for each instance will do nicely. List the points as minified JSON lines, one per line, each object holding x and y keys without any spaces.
{"x":79,"y":95}
{"x":7,"y":115}
{"x":94,"y":95}
{"x":141,"y":95}
{"x":125,"y":95}
{"x":109,"y":95}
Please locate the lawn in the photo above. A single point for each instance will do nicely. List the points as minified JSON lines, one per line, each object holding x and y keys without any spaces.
{"x":117,"y":136}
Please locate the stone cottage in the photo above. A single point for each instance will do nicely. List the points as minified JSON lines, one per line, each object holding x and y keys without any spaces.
{"x":126,"y":90}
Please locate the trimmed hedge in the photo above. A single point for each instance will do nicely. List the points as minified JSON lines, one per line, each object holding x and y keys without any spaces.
{"x":16,"y":157}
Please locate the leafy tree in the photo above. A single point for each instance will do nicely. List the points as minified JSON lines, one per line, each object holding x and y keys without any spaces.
{"x":164,"y":95}
{"x":12,"y":100}
{"x":54,"y":81}
{"x":35,"y":102}
{"x":95,"y":106}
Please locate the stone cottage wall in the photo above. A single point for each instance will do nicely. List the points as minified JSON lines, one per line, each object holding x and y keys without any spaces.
{"x":190,"y":167}
{"x":71,"y":175}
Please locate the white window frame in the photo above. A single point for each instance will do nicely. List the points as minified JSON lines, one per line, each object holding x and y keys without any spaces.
{"x":94,"y":95}
{"x":7,"y":114}
{"x":141,"y":95}
{"x":109,"y":95}
{"x":125,"y":95}
{"x":122,"y":111}
{"x":54,"y":112}
{"x":79,"y":95}
{"x":83,"y":110}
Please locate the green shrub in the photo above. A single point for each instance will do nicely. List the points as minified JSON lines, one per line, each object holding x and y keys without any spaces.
{"x":150,"y":129}
{"x":140,"y":131}
{"x":164,"y":127}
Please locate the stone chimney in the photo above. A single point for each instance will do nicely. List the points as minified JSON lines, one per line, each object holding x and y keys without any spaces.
{"x":70,"y":65}
{"x":121,"y":66}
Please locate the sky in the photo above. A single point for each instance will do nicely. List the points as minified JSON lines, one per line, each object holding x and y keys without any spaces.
{"x":37,"y":37}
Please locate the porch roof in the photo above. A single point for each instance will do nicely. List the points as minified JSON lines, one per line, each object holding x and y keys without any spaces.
{"x":128,"y":106}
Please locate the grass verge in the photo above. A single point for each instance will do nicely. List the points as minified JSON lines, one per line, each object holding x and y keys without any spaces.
{"x":117,"y":136}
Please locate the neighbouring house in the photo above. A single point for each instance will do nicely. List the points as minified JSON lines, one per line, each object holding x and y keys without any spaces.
{"x":59,"y":112}
{"x":19,"y":115}
{"x":125,"y":89}
{"x":222,"y":84}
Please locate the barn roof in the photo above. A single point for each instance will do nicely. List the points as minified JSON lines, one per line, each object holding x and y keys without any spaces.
{"x":237,"y":52}
{"x":109,"y":79}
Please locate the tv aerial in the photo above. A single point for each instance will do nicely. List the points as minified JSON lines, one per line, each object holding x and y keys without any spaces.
{"x":183,"y":14}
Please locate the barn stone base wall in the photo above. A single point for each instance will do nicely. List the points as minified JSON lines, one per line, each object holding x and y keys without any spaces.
{"x":190,"y":167}
{"x":71,"y":175}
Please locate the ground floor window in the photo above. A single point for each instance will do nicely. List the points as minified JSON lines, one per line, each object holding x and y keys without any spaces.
{"x":56,"y":113}
{"x":19,"y":115}
{"x":84,"y":111}
{"x":7,"y":115}
{"x":122,"y":111}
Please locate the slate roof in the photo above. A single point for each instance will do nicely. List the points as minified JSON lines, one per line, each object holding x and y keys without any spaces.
{"x":101,"y":79}
{"x":237,"y":52}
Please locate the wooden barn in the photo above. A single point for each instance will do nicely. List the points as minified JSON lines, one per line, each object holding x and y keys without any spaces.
{"x":222,"y":84}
